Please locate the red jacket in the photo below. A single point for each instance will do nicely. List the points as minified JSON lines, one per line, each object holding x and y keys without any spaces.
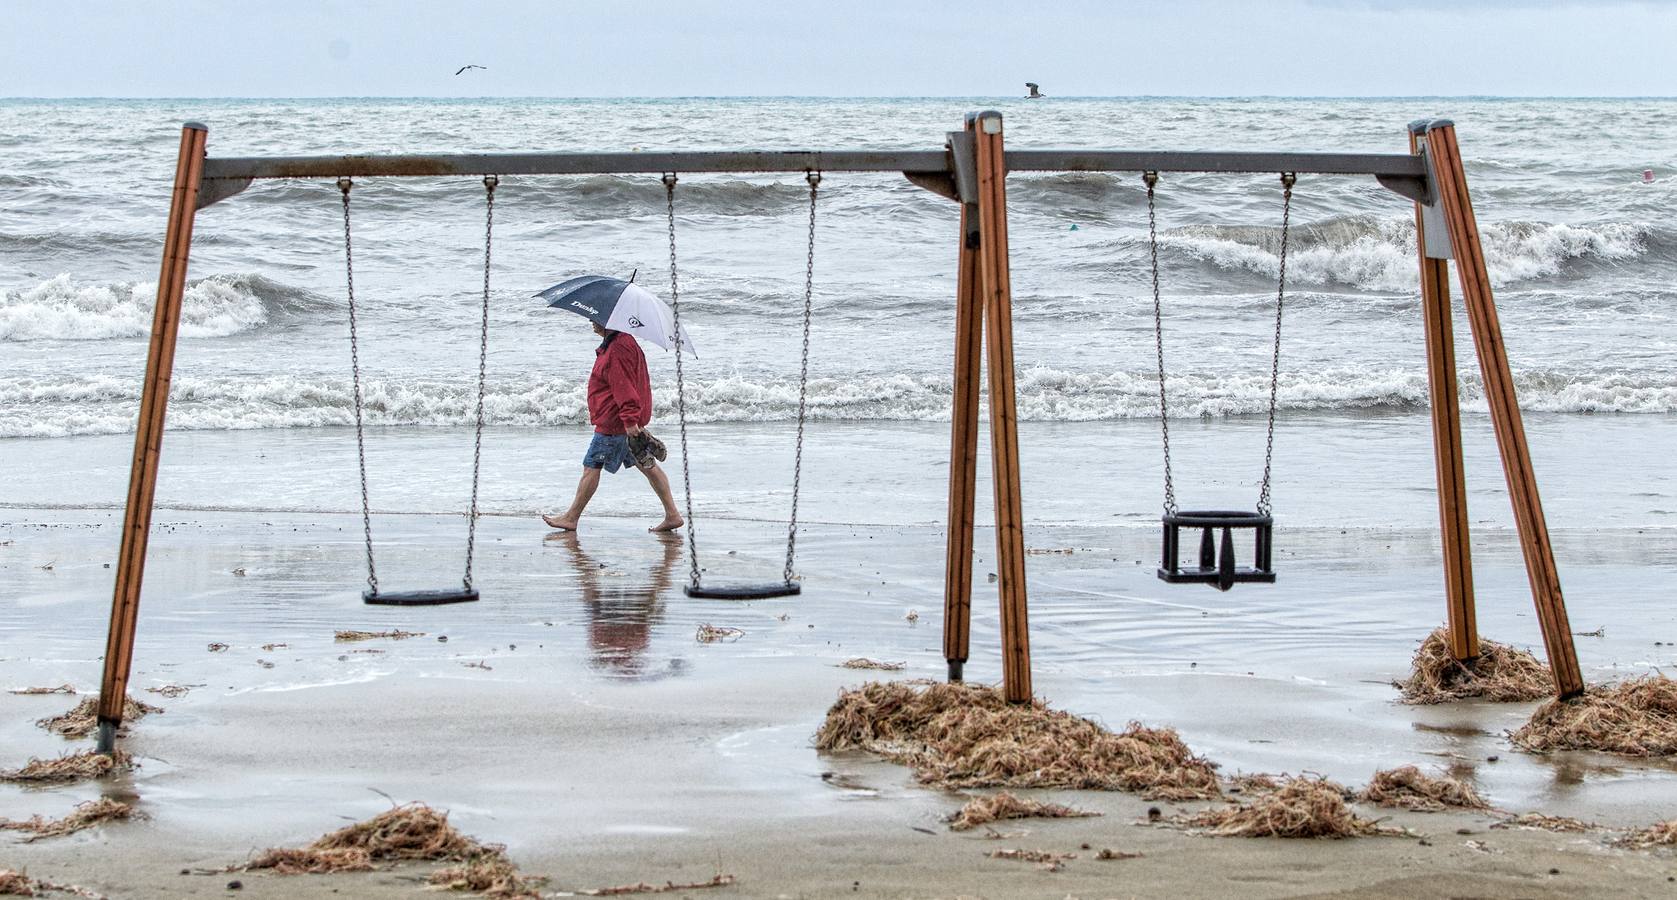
{"x":619,"y":388}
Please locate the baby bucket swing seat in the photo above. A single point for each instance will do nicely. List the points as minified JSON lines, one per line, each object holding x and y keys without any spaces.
{"x":788,"y":585}
{"x":466,"y":592}
{"x":1217,"y":565}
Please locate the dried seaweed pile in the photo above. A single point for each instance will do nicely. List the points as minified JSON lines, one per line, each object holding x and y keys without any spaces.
{"x":413,"y":831}
{"x":1050,"y":862}
{"x":1005,"y":805}
{"x":1501,"y":674}
{"x":1636,"y":717}
{"x":83,"y":720}
{"x":862,"y":662}
{"x":711,"y":634}
{"x":1543,"y":822}
{"x":1659,"y":834}
{"x":78,"y":766}
{"x":1407,"y":787}
{"x":85,"y":815}
{"x":394,"y":635}
{"x":61,"y":689}
{"x":489,"y":873}
{"x":1301,"y":807}
{"x":964,"y":735}
{"x":16,"y":884}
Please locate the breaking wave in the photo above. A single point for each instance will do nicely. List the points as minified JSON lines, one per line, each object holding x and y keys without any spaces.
{"x":81,"y":405}
{"x":66,"y":309}
{"x":1378,"y":254}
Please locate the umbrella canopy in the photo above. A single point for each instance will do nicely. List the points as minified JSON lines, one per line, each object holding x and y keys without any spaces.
{"x":618,"y":305}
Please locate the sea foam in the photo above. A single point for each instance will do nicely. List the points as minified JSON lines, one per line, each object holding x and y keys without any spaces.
{"x":80,"y":405}
{"x":67,"y":309}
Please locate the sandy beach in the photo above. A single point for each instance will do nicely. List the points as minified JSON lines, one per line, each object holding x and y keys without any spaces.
{"x":572,"y":715}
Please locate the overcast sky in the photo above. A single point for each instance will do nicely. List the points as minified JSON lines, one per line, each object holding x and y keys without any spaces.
{"x":599,"y":48}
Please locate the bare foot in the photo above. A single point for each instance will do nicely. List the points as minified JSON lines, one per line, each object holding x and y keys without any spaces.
{"x":559,"y":522}
{"x":670,"y":523}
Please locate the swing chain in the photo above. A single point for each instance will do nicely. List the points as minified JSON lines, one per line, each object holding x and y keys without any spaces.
{"x":1152,"y":180}
{"x":344,"y":185}
{"x":489,"y":184}
{"x":681,"y":388}
{"x":814,"y":179}
{"x":1288,"y":179}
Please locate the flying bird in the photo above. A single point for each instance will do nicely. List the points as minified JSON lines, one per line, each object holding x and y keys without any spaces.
{"x":1034,"y":94}
{"x":464,"y":68}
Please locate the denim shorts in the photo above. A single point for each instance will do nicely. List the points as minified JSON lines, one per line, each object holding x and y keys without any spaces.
{"x":609,"y":452}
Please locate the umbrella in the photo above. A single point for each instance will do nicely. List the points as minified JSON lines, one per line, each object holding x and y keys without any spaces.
{"x":618,"y":305}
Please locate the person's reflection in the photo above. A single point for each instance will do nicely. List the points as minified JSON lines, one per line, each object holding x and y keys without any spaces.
{"x":622,"y":610}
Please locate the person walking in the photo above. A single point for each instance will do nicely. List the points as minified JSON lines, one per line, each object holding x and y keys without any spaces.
{"x":619,"y":407}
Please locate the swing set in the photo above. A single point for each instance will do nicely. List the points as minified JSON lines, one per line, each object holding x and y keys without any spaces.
{"x":970,"y":169}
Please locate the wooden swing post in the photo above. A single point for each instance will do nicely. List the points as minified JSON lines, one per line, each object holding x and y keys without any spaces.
{"x":148,"y":433}
{"x":963,"y":417}
{"x":1450,"y":179}
{"x":1433,"y":248}
{"x":997,"y":292}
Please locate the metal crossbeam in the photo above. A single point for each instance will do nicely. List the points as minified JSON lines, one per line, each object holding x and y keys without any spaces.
{"x":227,"y":176}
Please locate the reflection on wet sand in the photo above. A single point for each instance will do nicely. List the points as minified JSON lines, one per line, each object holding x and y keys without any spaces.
{"x":622,"y":609}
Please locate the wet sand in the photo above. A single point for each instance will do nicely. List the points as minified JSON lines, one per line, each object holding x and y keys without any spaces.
{"x":603,"y":744}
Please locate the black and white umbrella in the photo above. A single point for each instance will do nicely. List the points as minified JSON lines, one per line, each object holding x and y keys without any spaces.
{"x":618,"y":305}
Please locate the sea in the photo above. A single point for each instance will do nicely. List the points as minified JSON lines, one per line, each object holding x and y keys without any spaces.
{"x":1581,"y":248}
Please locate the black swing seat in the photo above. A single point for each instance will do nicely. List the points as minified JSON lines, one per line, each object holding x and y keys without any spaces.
{"x":420,"y":598}
{"x":763,"y":591}
{"x":1217,"y":565}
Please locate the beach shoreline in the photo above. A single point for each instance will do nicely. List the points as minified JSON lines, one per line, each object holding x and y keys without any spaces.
{"x":572,"y":715}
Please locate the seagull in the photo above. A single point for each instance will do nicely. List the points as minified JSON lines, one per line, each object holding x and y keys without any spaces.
{"x":464,"y":68}
{"x":1034,"y":94}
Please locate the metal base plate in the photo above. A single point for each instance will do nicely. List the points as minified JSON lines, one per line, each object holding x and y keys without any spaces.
{"x":420,"y":598}
{"x":745,"y":591}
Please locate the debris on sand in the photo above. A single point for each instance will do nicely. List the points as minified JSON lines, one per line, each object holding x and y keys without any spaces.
{"x":410,"y":831}
{"x":1407,"y":787}
{"x":16,"y":884}
{"x":1252,"y":783}
{"x":1501,"y":674}
{"x":1303,"y":807}
{"x":1659,"y":834}
{"x":1109,"y":853}
{"x":1547,"y":823}
{"x":862,"y":662}
{"x":480,"y":664}
{"x":61,"y":689}
{"x":1050,"y":862}
{"x":79,"y":766}
{"x":171,"y":691}
{"x":963,"y":735}
{"x":217,"y":647}
{"x":85,"y":815}
{"x":665,"y":888}
{"x":1636,"y":717}
{"x":491,"y":874}
{"x":711,"y":634}
{"x":1005,"y":805}
{"x":83,"y":720}
{"x":394,"y":635}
